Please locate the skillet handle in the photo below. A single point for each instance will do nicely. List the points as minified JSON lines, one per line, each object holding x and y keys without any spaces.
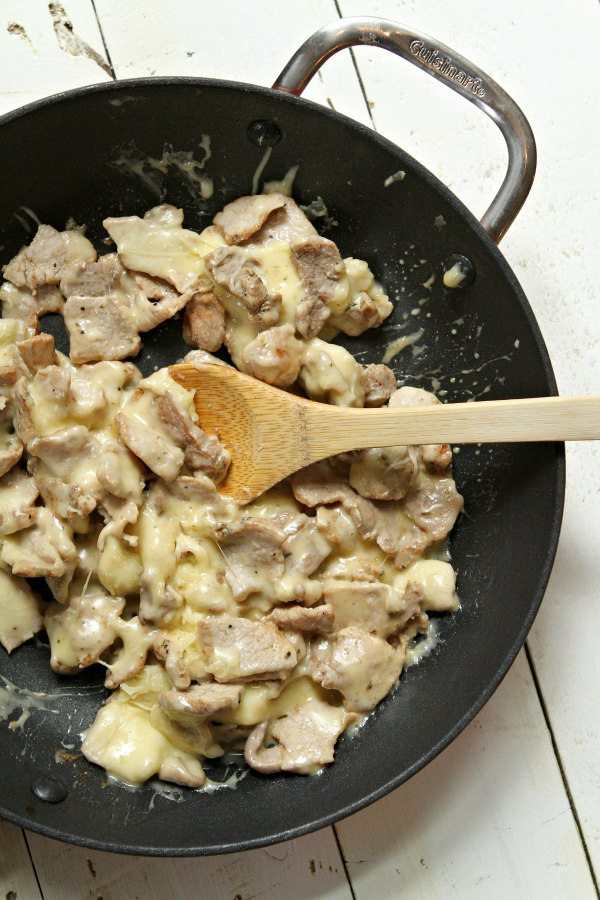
{"x":452,"y":70}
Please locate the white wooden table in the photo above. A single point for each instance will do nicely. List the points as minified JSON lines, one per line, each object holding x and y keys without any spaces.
{"x":512,"y":808}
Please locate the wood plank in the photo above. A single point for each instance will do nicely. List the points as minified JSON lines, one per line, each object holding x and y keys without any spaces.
{"x":39,"y":55}
{"x":183,"y":37}
{"x":309,"y":867}
{"x":552,"y":247}
{"x":17,"y":878}
{"x":488,"y":818}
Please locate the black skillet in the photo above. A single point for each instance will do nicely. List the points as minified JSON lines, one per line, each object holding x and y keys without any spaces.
{"x":58,"y":161}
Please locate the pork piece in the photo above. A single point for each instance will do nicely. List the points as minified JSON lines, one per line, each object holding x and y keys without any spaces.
{"x":383,"y":473}
{"x":320,"y":268}
{"x":119,"y":472}
{"x":154,"y":288}
{"x":316,"y":619}
{"x":201,"y":700}
{"x":305,"y":547}
{"x":37,"y":352}
{"x":360,"y":314}
{"x":379,"y":383}
{"x":436,"y":457}
{"x":243,"y":217}
{"x":274,"y":356}
{"x":18,"y":494}
{"x":201,"y":490}
{"x":157,"y":245}
{"x":201,"y":452}
{"x":204,"y":322}
{"x":82,"y":630}
{"x":363,"y":668}
{"x":330,"y":373}
{"x":434,"y":507}
{"x":241,"y":650}
{"x":181,"y":656}
{"x":375,"y":607}
{"x":337,"y":526}
{"x":304,"y":739}
{"x":20,"y":303}
{"x":100,"y":312}
{"x":367,"y":306}
{"x":381,"y":521}
{"x":318,"y":484}
{"x":240,"y":274}
{"x":158,"y":452}
{"x":20,"y":612}
{"x":285,"y":224}
{"x":105,"y":311}
{"x":171,"y":654}
{"x":43,"y":549}
{"x":136,"y":640}
{"x":64,"y":469}
{"x":253,"y":552}
{"x":49,"y":256}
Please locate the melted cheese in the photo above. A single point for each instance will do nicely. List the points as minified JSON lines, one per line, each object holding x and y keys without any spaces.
{"x":159,"y":246}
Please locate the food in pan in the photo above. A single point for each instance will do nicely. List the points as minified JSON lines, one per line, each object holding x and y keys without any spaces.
{"x":270,"y":627}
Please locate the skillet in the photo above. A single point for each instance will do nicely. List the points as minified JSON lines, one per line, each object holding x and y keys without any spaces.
{"x":59,"y":159}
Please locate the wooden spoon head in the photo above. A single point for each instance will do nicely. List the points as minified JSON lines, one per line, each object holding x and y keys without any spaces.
{"x":260,"y":425}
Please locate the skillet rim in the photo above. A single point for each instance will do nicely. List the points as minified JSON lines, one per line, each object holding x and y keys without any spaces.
{"x":560,"y":466}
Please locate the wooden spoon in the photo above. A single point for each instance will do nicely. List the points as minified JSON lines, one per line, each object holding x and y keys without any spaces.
{"x":271,"y":433}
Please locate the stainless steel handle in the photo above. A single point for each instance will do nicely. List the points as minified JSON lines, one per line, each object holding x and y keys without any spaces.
{"x":448,"y":67}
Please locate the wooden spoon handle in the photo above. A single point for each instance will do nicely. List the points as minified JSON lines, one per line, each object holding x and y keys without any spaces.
{"x":498,"y":421}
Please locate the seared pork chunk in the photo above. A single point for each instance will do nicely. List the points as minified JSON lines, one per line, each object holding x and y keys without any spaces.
{"x":240,"y":274}
{"x":375,"y":607}
{"x":37,"y":352}
{"x":302,"y":741}
{"x":253,"y":552}
{"x":378,"y":383}
{"x":362,"y":667}
{"x":43,"y":549}
{"x":436,"y":457}
{"x":320,"y":268}
{"x":243,"y":217}
{"x":315,"y":619}
{"x":285,"y":224}
{"x":274,"y":356}
{"x":241,"y":650}
{"x":305,"y":546}
{"x":383,"y":473}
{"x":201,"y":700}
{"x":434,"y":507}
{"x":19,"y":302}
{"x":204,"y":322}
{"x":105,"y":310}
{"x":48,"y":258}
{"x":201,"y":452}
